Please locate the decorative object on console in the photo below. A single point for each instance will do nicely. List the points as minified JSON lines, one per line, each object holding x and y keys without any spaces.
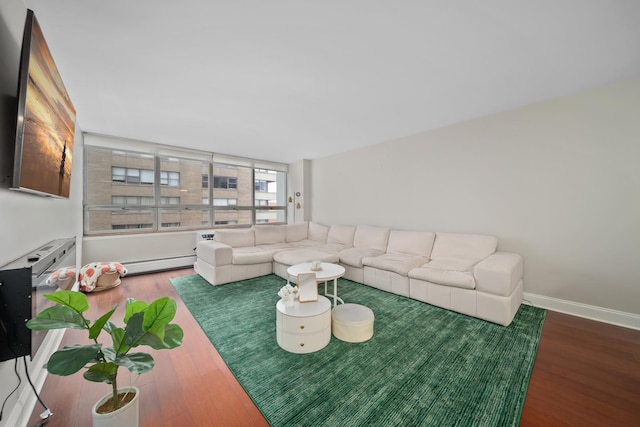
{"x":146,"y":324}
{"x":288,"y":294}
{"x":63,"y":278}
{"x":99,"y":276}
{"x":307,"y":287}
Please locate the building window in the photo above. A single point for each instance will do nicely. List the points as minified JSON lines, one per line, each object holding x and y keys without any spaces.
{"x":228,"y":222}
{"x":131,"y":175}
{"x":225,"y":202}
{"x":170,"y":200}
{"x":170,"y":224}
{"x":205,"y":181}
{"x":132,"y":200}
{"x":130,"y":226}
{"x":171,"y":179}
{"x":225,"y":182}
{"x":261,"y":185}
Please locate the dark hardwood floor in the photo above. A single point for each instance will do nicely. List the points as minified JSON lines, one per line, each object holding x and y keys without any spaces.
{"x":586,"y":374}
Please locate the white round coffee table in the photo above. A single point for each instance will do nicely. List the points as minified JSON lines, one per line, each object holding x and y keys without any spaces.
{"x":327,"y":272}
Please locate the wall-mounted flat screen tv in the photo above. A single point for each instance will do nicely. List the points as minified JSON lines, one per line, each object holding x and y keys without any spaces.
{"x":46,"y":120}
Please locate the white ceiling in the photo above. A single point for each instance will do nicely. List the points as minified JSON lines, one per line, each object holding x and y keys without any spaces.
{"x":286,"y":80}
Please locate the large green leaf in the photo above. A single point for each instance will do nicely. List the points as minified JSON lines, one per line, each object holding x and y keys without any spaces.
{"x":101,"y":372}
{"x":118,"y":336}
{"x":56,"y":317}
{"x":136,"y":363}
{"x":172,"y":338}
{"x":95,"y":329}
{"x":133,"y":330}
{"x":132,"y":307}
{"x":74,"y":300}
{"x":158,"y":315}
{"x":70,"y":360}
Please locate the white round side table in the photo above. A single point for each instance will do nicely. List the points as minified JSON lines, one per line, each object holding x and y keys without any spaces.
{"x":304,"y":327}
{"x":328,"y":271}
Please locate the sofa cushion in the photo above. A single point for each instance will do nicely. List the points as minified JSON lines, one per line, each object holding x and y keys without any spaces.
{"x":396,"y":262}
{"x":447,"y":272}
{"x":452,"y":264}
{"x":367,"y":236}
{"x":268,"y":234}
{"x":305,"y":243}
{"x":342,"y":234}
{"x":236,"y":238}
{"x":318,"y":232}
{"x":275,"y":247}
{"x":332,"y":248}
{"x":251,"y":255}
{"x":418,"y":243}
{"x":354,"y":256}
{"x":467,"y":246}
{"x":296,"y":232}
{"x":304,"y":255}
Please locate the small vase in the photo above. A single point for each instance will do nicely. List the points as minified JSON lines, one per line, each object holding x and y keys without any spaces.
{"x":126,"y":416}
{"x":289,"y":302}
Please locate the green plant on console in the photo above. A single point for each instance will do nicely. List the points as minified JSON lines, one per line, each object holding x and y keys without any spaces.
{"x":145,"y":324}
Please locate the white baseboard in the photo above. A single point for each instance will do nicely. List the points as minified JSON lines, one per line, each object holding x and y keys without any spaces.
{"x":21,"y":412}
{"x":606,"y":315}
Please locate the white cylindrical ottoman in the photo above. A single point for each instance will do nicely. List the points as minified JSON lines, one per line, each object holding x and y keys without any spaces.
{"x":352,"y":322}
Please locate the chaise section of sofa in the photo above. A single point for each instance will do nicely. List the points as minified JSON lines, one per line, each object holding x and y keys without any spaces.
{"x":232,"y":256}
{"x":467,"y":275}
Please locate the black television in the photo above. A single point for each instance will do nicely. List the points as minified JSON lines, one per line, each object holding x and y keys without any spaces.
{"x":46,"y":120}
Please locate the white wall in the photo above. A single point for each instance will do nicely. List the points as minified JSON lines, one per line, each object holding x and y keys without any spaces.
{"x":557,"y":182}
{"x":298,"y":181}
{"x":28,"y":221}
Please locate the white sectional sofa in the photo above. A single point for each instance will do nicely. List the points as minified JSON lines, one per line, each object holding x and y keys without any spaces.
{"x":460,"y":272}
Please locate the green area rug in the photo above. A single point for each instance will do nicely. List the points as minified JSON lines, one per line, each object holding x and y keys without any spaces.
{"x":423,"y":366}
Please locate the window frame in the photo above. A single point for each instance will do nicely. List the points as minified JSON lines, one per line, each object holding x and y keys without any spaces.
{"x":140,"y":177}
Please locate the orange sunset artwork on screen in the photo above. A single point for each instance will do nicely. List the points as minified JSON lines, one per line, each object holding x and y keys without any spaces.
{"x":49,"y":124}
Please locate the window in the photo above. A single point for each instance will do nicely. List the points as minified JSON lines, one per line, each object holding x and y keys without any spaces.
{"x":170,"y":224}
{"x":132,"y":200}
{"x":225,"y":202}
{"x":225,"y":182}
{"x":130,"y":226}
{"x":231,"y":222}
{"x":118,"y":174}
{"x":131,"y":175}
{"x":146,"y":176}
{"x":170,"y":200}
{"x":172,"y":179}
{"x":133,"y":192}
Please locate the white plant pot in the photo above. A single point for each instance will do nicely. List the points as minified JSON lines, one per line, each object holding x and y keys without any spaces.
{"x":126,"y":416}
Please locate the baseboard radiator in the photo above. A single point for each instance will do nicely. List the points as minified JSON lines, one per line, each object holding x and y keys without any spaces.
{"x":149,"y":266}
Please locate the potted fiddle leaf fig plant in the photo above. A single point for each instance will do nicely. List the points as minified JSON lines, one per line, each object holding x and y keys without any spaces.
{"x":144,"y":324}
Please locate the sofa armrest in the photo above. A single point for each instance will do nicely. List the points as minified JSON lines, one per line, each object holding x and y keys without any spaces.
{"x":214,"y":253}
{"x":499,"y":273}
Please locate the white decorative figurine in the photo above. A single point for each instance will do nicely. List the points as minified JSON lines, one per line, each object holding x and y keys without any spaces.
{"x":288,"y":294}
